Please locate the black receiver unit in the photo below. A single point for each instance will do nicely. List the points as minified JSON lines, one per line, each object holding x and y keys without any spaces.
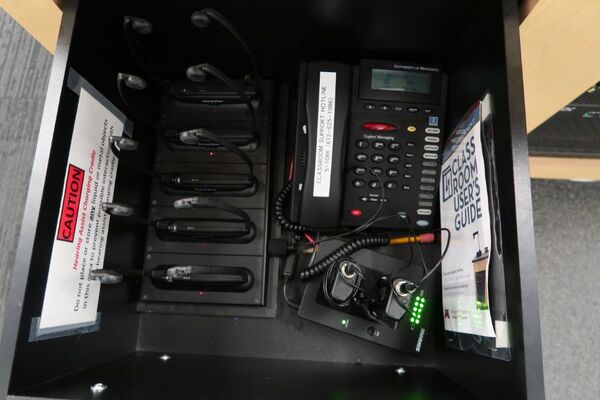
{"x":368,"y":142}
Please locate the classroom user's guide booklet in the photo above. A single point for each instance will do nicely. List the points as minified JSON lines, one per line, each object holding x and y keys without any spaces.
{"x":464,"y":209}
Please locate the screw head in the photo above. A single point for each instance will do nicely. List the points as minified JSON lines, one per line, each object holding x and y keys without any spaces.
{"x":98,"y":388}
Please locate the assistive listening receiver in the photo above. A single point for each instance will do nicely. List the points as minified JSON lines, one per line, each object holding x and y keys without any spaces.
{"x":368,"y":143}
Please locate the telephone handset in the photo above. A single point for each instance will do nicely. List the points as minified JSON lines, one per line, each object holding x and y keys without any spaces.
{"x":368,"y":142}
{"x":323,"y":110}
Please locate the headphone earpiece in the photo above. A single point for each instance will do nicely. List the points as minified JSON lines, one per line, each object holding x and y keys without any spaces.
{"x":139,"y":25}
{"x":196,"y":73}
{"x":133,"y":82}
{"x":200,"y":19}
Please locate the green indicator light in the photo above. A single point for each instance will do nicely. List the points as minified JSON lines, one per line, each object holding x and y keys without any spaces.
{"x":422,"y":299}
{"x":421,"y":306}
{"x":417,"y":321}
{"x":412,"y":320}
{"x":418,"y":298}
{"x":345,"y":322}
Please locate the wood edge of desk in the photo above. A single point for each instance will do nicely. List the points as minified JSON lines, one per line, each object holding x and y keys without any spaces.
{"x":584,"y":169}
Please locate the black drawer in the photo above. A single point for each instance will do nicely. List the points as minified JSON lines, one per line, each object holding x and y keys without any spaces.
{"x":156,"y":352}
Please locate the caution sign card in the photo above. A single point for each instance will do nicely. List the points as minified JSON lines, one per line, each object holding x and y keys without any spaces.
{"x":71,"y":298}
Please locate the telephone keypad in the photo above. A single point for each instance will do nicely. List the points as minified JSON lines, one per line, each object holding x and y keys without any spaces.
{"x":362,"y":144}
{"x":417,"y":132}
{"x":377,"y":158}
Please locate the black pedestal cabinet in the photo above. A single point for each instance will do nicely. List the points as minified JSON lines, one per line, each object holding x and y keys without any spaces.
{"x":275,"y":355}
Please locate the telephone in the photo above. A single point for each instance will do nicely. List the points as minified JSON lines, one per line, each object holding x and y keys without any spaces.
{"x":368,"y":144}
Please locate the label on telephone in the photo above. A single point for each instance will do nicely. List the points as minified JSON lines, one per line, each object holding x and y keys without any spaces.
{"x":325,"y":133}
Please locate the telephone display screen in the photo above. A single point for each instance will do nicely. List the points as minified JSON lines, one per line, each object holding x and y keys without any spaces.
{"x":400,"y":81}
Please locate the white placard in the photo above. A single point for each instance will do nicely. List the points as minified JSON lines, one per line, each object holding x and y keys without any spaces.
{"x":325,"y":132}
{"x":71,"y":298}
{"x":465,"y":212}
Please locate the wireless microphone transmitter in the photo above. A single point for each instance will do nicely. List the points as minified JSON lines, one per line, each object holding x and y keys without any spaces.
{"x":239,"y":184}
{"x":211,"y":93}
{"x":243,"y":139}
{"x":205,"y":230}
{"x":209,"y":278}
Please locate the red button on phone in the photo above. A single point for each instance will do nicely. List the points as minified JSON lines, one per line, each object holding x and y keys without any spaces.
{"x":379,"y":126}
{"x":356,"y":212}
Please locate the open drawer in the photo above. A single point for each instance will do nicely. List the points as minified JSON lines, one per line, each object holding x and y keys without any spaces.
{"x":157,"y":350}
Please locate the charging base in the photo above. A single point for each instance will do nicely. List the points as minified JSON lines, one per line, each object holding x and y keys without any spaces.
{"x":405,"y":336}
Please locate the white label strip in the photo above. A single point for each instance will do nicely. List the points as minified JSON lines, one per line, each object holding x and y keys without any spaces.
{"x":502,"y":340}
{"x":71,"y":298}
{"x":325,"y":132}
